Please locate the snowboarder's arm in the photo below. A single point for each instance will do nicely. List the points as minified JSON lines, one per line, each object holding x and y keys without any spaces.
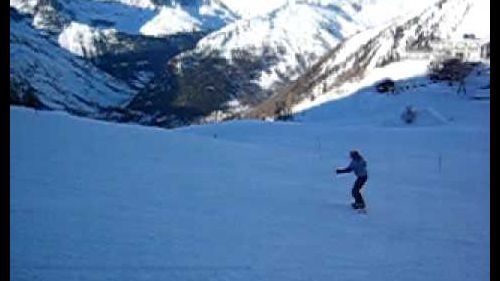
{"x":344,"y":170}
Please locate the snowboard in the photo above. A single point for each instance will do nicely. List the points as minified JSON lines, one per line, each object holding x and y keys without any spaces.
{"x":359,"y":210}
{"x":362,"y":211}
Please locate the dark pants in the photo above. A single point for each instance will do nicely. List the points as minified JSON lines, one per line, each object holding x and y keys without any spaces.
{"x":358,"y":184}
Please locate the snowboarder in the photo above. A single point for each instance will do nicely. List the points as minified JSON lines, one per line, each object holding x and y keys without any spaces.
{"x":358,"y":166}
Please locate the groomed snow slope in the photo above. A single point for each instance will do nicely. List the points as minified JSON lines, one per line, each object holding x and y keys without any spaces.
{"x":253,"y":200}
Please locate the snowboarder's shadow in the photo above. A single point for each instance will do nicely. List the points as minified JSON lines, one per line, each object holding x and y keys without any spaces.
{"x":338,"y":205}
{"x":343,"y":206}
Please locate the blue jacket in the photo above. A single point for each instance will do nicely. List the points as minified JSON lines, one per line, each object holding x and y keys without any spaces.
{"x":356,"y":165}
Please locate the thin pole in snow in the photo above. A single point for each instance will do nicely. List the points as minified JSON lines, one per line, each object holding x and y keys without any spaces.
{"x":439,"y":162}
{"x":319,"y":146}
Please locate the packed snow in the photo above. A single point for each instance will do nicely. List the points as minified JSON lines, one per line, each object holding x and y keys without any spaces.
{"x":253,"y":200}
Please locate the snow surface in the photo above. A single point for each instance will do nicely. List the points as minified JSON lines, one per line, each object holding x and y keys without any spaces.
{"x":395,"y":71}
{"x":251,"y":200}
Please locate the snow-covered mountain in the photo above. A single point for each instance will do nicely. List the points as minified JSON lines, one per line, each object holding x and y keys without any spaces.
{"x":166,"y":17}
{"x":292,"y":51}
{"x":78,"y":24}
{"x":131,"y":16}
{"x":242,"y":63}
{"x":434,"y":32}
{"x":188,"y":16}
{"x":258,"y":57}
{"x":109,"y":68}
{"x":295,"y":35}
{"x":43,"y":73}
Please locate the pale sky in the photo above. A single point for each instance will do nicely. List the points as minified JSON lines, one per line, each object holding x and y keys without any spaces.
{"x":377,"y":10}
{"x":253,"y":7}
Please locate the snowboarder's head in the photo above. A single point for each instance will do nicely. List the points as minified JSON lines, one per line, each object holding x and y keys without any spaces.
{"x":355,"y":154}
